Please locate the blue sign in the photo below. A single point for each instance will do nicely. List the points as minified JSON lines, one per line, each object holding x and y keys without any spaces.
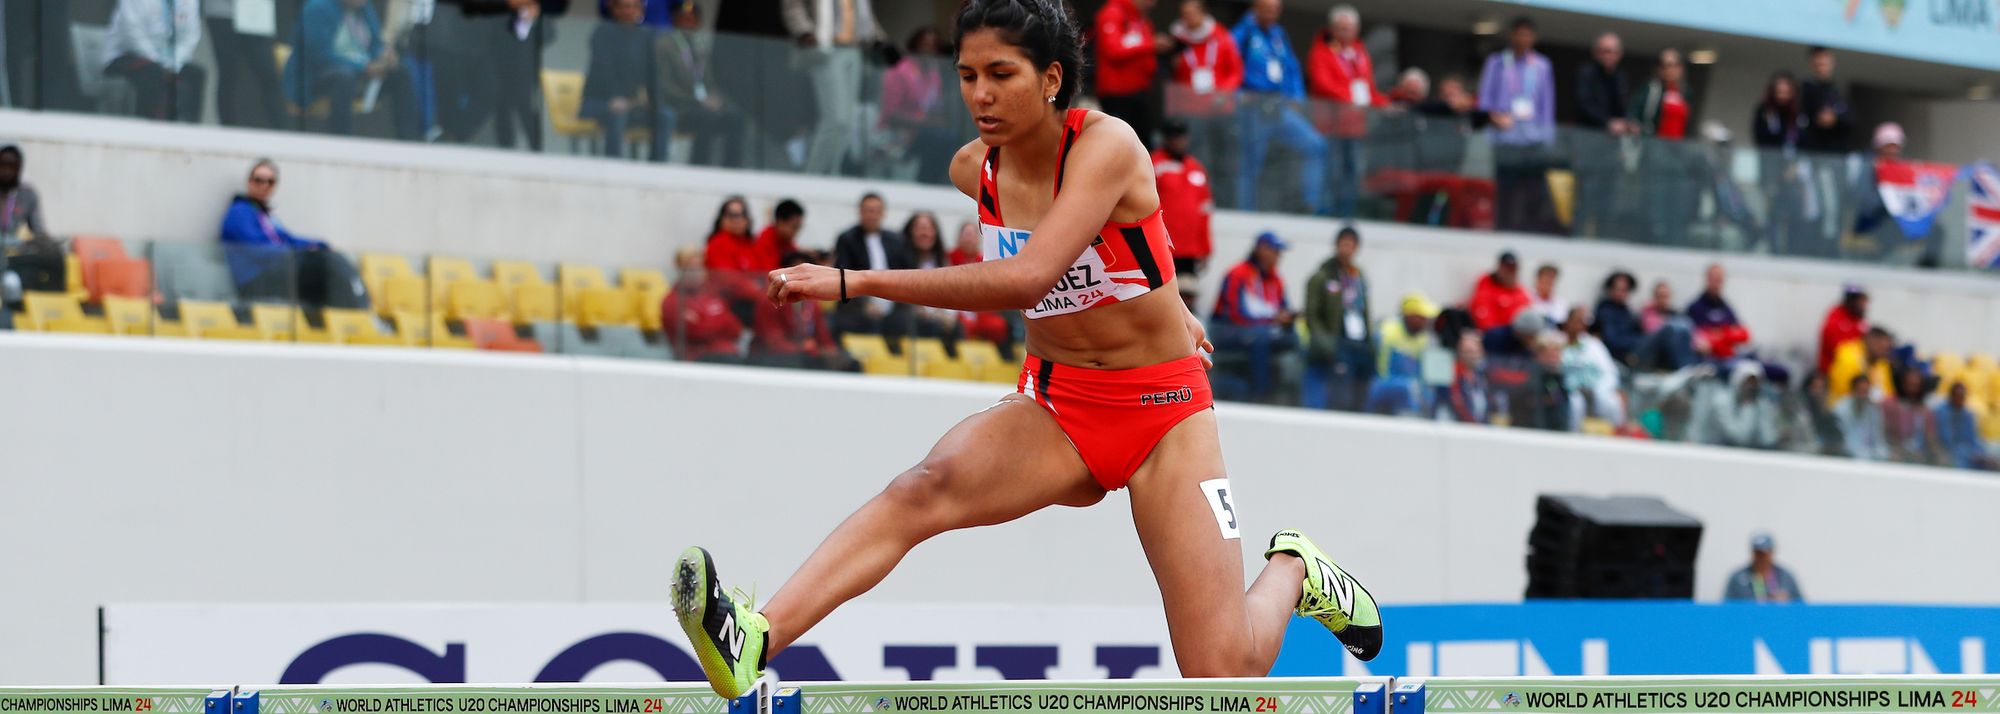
{"x":1637,"y":637}
{"x":1961,"y":33}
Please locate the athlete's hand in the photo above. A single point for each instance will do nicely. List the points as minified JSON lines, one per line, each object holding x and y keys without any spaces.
{"x":802,"y":282}
{"x":1199,"y":334}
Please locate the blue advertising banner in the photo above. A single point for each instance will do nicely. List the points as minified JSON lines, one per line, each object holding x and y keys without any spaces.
{"x":1962,"y":33}
{"x":1633,"y":638}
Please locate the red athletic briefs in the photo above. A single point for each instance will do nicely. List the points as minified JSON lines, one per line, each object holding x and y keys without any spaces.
{"x":1114,"y":417}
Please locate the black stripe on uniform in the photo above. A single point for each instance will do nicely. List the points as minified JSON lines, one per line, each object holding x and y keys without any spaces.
{"x":1062,"y":159}
{"x":1135,"y":238}
{"x":1042,"y":380}
{"x":988,"y":198}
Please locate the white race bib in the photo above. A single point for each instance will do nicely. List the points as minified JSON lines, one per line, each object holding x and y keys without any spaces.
{"x":1356,"y":328}
{"x":1524,"y":108}
{"x":1274,"y":70}
{"x":1134,"y":38}
{"x":1361,"y":93}
{"x":1203,"y":80}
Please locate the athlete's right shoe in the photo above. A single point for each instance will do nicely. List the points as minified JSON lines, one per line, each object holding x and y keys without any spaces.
{"x":1333,"y":597}
{"x":727,"y":632}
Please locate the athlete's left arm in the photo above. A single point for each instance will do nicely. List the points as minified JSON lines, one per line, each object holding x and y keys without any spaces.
{"x":1106,"y":166}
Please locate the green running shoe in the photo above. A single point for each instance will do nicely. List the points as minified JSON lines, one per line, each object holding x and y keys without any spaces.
{"x":727,"y":632}
{"x":1333,"y":597}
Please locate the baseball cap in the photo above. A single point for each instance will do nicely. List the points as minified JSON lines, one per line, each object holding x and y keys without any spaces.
{"x":1415,"y":303}
{"x":1272,"y":239}
{"x":1853,"y":290}
{"x":1761,"y":541}
{"x":1507,"y":257}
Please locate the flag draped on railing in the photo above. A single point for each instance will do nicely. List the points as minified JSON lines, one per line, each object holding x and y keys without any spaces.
{"x":1982,"y":221}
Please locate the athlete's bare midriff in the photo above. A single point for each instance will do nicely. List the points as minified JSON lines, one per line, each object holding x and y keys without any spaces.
{"x":1135,"y":333}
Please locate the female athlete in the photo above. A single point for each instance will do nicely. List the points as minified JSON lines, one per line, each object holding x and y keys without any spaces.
{"x":1114,"y":393}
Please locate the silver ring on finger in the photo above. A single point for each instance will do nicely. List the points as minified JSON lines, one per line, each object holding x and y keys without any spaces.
{"x":783,"y":278}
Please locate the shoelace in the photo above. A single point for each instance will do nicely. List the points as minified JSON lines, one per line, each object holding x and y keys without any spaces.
{"x":1317,"y":606}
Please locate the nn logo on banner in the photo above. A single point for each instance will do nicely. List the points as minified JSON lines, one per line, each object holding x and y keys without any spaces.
{"x":1982,"y":246}
{"x":1914,"y":192}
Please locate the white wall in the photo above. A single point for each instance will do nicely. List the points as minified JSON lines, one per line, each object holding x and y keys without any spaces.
{"x":168,"y":471}
{"x":139,"y":180}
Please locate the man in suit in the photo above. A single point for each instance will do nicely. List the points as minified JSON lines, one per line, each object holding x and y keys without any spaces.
{"x":870,"y":246}
{"x":834,"y":34}
{"x":691,"y":97}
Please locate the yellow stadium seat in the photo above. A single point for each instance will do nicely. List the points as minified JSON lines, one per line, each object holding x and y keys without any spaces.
{"x":562,"y":93}
{"x":73,"y":277}
{"x":648,"y":306}
{"x":476,"y":299}
{"x":887,"y":364}
{"x":511,"y":274}
{"x":412,"y":329}
{"x":945,"y":369}
{"x":929,"y":349}
{"x":442,"y":338}
{"x":61,"y":312}
{"x":572,"y":281}
{"x":276,"y":323}
{"x":400,"y":294}
{"x":982,"y":357}
{"x":863,"y":347}
{"x":130,"y":316}
{"x":608,"y":307}
{"x":206,"y":320}
{"x":1947,"y":365}
{"x":377,"y":269}
{"x":1982,"y":362}
{"x":643,"y":280}
{"x":536,"y":302}
{"x":353,"y":327}
{"x":444,"y":271}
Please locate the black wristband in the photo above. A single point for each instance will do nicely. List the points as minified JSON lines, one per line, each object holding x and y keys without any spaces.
{"x":843,"y":286}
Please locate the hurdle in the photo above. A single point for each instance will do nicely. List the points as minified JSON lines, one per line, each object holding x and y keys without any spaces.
{"x":1750,"y":694}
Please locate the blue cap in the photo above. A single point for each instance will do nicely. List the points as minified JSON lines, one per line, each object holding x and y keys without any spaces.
{"x":1272,"y":239}
{"x":1761,"y":541}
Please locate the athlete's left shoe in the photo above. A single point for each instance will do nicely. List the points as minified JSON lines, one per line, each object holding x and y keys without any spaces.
{"x":727,"y":632}
{"x":1333,"y":597}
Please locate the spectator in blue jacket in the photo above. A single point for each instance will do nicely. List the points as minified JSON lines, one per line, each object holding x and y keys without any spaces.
{"x":1958,"y":432}
{"x":1273,"y":86}
{"x":271,"y":264}
{"x":341,"y":55}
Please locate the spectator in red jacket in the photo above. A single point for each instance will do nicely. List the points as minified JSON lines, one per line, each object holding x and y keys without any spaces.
{"x":796,"y":335}
{"x":1208,"y":70}
{"x":1498,"y":295}
{"x":732,"y":256}
{"x":1846,"y":321}
{"x":1127,"y":55}
{"x":1253,"y":317}
{"x":966,"y":249}
{"x":698,"y":319}
{"x":1188,"y":203}
{"x":997,"y":327}
{"x":780,"y":238}
{"x":1340,"y":75}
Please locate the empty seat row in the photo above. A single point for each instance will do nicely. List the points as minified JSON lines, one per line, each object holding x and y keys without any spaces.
{"x":517,"y":292}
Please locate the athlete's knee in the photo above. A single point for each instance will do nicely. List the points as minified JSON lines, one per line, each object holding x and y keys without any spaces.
{"x":925,"y":494}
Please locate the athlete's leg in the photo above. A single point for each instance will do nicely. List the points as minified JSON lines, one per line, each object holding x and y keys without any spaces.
{"x":995,"y":466}
{"x":1217,"y":629}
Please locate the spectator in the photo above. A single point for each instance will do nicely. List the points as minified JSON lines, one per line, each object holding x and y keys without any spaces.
{"x":1413,"y":87}
{"x":1829,"y":121}
{"x":795,"y":335}
{"x":151,"y":43}
{"x":1777,"y":128}
{"x":1957,"y":432}
{"x":912,"y":122}
{"x":687,"y":87}
{"x":1861,"y":425}
{"x":341,"y":53}
{"x":1452,"y":115}
{"x":1589,"y":373}
{"x":966,"y":249}
{"x":1188,"y":205}
{"x":1498,"y":295}
{"x":1269,"y":108}
{"x":1872,"y":355}
{"x":1515,"y":341}
{"x":1253,"y":317}
{"x":998,"y":327}
{"x":1340,"y":357}
{"x":1661,"y":111}
{"x":1128,"y":56}
{"x":1340,"y":73}
{"x":1739,"y":415}
{"x":270,"y":264}
{"x":1208,"y":70}
{"x":1520,"y":82}
{"x":20,"y":205}
{"x":1601,"y":103}
{"x":514,"y":58}
{"x":1552,"y":308}
{"x":1907,"y":419}
{"x":1543,"y":402}
{"x":616,"y":88}
{"x":1872,"y":217}
{"x":833,"y":43}
{"x":868,"y":246}
{"x":698,"y":318}
{"x":30,"y":257}
{"x":1815,"y":429}
{"x":1763,"y":580}
{"x":780,"y":239}
{"x":1469,"y":393}
{"x":927,"y":247}
{"x":246,"y":90}
{"x":732,"y":258}
{"x":1661,"y":311}
{"x":1846,"y":321}
{"x":1669,"y":343}
{"x":1715,"y":323}
{"x":1399,"y":384}
{"x":1616,"y":325}
{"x":652,"y":13}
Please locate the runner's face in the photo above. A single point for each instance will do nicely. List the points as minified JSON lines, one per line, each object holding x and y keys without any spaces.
{"x":1003,"y":91}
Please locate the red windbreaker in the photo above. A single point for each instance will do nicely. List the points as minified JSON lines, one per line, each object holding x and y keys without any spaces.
{"x":1185,"y":197}
{"x":1125,"y":59}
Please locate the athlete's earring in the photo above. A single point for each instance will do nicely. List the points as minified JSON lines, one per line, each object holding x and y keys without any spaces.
{"x":1052,"y":99}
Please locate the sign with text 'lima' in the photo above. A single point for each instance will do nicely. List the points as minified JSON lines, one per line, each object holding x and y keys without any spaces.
{"x":416,"y":644}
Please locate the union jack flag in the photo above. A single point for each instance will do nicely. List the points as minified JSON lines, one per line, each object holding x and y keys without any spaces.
{"x":1982,"y":247}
